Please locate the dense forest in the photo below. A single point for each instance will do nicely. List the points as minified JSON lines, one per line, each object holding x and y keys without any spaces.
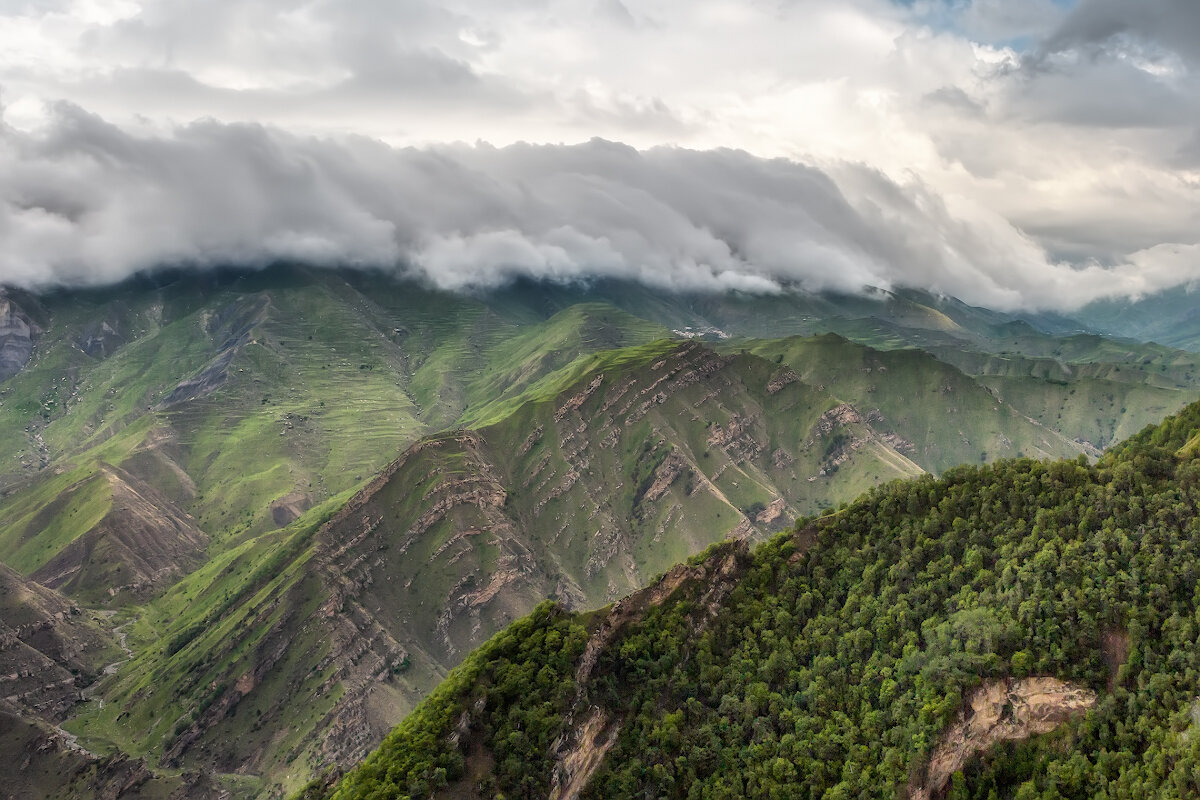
{"x":838,"y":654}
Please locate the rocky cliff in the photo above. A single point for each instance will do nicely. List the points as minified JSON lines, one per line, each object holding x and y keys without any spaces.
{"x":17,"y":334}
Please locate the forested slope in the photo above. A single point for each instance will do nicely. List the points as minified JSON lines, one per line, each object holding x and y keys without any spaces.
{"x":836,"y":660}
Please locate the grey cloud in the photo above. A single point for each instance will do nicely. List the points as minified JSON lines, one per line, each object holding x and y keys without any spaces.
{"x":954,"y":98}
{"x":1187,"y":155}
{"x":616,"y":12}
{"x":1109,"y":93}
{"x":349,"y":34}
{"x":300,"y":57}
{"x":85,"y":202}
{"x":1174,"y":24}
{"x":1115,"y":64}
{"x":994,"y":20}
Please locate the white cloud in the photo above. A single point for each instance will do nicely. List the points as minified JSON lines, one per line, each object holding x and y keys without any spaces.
{"x":991,"y":169}
{"x":83,"y":201}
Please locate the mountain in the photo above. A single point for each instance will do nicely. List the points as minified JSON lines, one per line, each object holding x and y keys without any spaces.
{"x":301,"y":497}
{"x":228,"y":407}
{"x":51,"y":651}
{"x":17,"y":333}
{"x":1169,"y":317}
{"x":599,"y":479}
{"x":1020,"y":629}
{"x":49,"y":647}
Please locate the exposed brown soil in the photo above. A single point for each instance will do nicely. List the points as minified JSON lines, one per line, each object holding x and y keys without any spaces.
{"x":1114,"y":647}
{"x":999,"y":711}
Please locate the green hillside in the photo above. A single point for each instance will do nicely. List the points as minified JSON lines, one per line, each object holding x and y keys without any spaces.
{"x":1017,"y":630}
{"x":1169,"y":316}
{"x":306,"y":495}
{"x":244,"y":402}
{"x":583,"y":487}
{"x":947,"y":417}
{"x":597,"y":482}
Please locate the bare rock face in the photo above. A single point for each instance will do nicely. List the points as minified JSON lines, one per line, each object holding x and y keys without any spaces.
{"x":666,"y":474}
{"x":287,"y":509}
{"x":581,"y":749}
{"x":844,"y":414}
{"x":233,"y":328}
{"x":48,"y":648}
{"x":736,"y":438}
{"x":592,"y":741}
{"x":1001,"y":711}
{"x":17,"y":332}
{"x":101,"y":339}
{"x":782,"y":377}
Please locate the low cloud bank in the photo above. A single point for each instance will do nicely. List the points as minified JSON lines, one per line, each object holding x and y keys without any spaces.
{"x":84,"y":202}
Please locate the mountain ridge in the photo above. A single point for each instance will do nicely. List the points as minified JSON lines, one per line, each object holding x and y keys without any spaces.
{"x":519,"y":446}
{"x":909,"y":605}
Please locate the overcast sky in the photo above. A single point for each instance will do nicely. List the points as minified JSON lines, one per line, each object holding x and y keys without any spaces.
{"x":1014,"y":153}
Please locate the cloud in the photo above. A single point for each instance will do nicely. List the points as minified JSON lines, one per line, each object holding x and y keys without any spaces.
{"x":87,"y":202}
{"x":1115,"y":64}
{"x":1173,"y":25}
{"x":1026,"y":149}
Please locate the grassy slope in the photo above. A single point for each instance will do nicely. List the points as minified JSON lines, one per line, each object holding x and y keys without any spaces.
{"x":443,"y":565}
{"x":216,"y":625}
{"x":323,"y":392}
{"x":949,"y":418}
{"x":184,"y":640}
{"x":410,"y":361}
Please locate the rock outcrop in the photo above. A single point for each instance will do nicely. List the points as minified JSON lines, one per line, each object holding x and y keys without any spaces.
{"x":1001,"y":711}
{"x":580,"y":750}
{"x":233,"y":327}
{"x":17,"y":334}
{"x":101,"y":339}
{"x":49,"y":648}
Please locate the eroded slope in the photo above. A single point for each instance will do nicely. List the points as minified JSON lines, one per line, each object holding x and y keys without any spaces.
{"x":977,"y":635}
